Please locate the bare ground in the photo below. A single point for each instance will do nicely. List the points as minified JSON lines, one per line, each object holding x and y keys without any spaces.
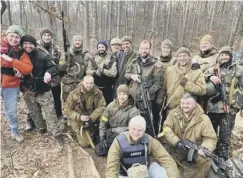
{"x":40,"y":157}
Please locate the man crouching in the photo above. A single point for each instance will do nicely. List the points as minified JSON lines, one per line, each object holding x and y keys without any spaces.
{"x":188,"y":122}
{"x":83,"y":107}
{"x":131,"y":152}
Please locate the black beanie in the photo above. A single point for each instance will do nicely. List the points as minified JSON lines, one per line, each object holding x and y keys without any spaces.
{"x":104,"y":43}
{"x":28,"y":38}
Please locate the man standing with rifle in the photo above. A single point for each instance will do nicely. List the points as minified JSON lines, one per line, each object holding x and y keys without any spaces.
{"x":146,"y":78}
{"x":223,"y":106}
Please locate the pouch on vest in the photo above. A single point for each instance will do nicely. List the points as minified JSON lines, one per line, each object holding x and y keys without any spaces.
{"x":138,"y":171}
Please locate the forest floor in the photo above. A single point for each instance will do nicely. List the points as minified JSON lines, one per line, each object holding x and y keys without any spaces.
{"x":40,"y":157}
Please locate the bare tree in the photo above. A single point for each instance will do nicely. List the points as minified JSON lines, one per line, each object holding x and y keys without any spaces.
{"x":3,"y":8}
{"x":9,"y":13}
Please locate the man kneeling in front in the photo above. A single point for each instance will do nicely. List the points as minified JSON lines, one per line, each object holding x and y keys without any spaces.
{"x":136,"y":154}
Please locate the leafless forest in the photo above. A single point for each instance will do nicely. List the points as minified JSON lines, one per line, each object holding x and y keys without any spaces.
{"x":183,"y":22}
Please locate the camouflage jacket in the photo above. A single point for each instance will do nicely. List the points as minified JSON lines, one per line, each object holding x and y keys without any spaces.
{"x":101,"y":62}
{"x":80,"y":57}
{"x":117,"y":116}
{"x":227,"y":75}
{"x":150,"y":71}
{"x":156,"y":152}
{"x":80,"y":103}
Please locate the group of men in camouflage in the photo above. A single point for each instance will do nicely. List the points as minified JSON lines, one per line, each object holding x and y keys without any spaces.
{"x":112,"y":98}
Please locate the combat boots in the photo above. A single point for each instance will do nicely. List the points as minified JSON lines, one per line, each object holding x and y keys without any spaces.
{"x":30,"y":124}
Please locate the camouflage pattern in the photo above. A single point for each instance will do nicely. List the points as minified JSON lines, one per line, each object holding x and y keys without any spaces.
{"x":100,"y":61}
{"x":227,"y":75}
{"x":116,"y":116}
{"x":238,"y":58}
{"x":70,"y":81}
{"x":42,"y":111}
{"x":80,"y":103}
{"x":237,"y":167}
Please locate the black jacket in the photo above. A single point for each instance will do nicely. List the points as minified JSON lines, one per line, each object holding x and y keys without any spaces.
{"x":42,"y":63}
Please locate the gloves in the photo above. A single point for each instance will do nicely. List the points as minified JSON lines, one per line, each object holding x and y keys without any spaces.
{"x":98,"y":72}
{"x":183,"y":81}
{"x":47,"y":77}
{"x":181,"y":146}
{"x":195,"y":66}
{"x":118,"y":130}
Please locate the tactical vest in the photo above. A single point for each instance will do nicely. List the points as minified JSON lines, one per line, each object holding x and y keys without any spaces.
{"x":132,"y":153}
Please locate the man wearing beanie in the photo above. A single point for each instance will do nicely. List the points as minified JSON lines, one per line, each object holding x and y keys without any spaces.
{"x":12,"y":69}
{"x":46,"y":45}
{"x":189,"y":123}
{"x":83,"y":108}
{"x":37,"y":89}
{"x":145,"y":67}
{"x":115,"y":118}
{"x":166,"y":54}
{"x":124,"y":59}
{"x":207,"y":56}
{"x":78,"y":59}
{"x":115,"y":45}
{"x":104,"y":69}
{"x":182,"y":78}
{"x":222,"y":119}
{"x":135,"y":146}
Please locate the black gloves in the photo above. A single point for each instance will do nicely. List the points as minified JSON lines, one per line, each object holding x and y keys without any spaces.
{"x":183,"y":81}
{"x":195,"y":66}
{"x":181,"y":146}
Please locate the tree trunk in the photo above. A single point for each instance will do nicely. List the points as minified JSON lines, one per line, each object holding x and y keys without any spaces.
{"x":236,"y":27}
{"x":154,"y":20}
{"x":9,"y":13}
{"x":95,"y":21}
{"x":118,"y":22}
{"x":87,"y":23}
{"x":134,"y":19}
{"x":3,"y":9}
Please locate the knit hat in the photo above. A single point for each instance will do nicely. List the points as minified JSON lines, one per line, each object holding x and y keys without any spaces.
{"x":226,"y":49}
{"x":77,"y":37}
{"x":115,"y":41}
{"x":28,"y":38}
{"x":15,"y":29}
{"x":183,"y":50}
{"x":46,"y":30}
{"x":102,"y":42}
{"x":126,"y":38}
{"x":208,"y":38}
{"x":123,"y":88}
{"x":138,"y":120}
{"x":167,"y":43}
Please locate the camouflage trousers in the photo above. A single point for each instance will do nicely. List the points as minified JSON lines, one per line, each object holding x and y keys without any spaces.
{"x":225,"y":126}
{"x":42,"y":111}
{"x":66,"y":89}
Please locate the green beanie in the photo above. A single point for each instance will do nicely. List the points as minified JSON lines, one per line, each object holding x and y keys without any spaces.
{"x":167,"y":43}
{"x":126,"y":38}
{"x":183,"y":50}
{"x":15,"y":29}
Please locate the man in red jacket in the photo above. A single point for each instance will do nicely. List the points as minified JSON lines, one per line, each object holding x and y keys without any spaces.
{"x":14,"y":64}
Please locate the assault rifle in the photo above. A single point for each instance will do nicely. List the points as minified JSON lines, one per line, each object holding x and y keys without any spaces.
{"x":194,"y":147}
{"x":224,"y":99}
{"x":147,"y":102}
